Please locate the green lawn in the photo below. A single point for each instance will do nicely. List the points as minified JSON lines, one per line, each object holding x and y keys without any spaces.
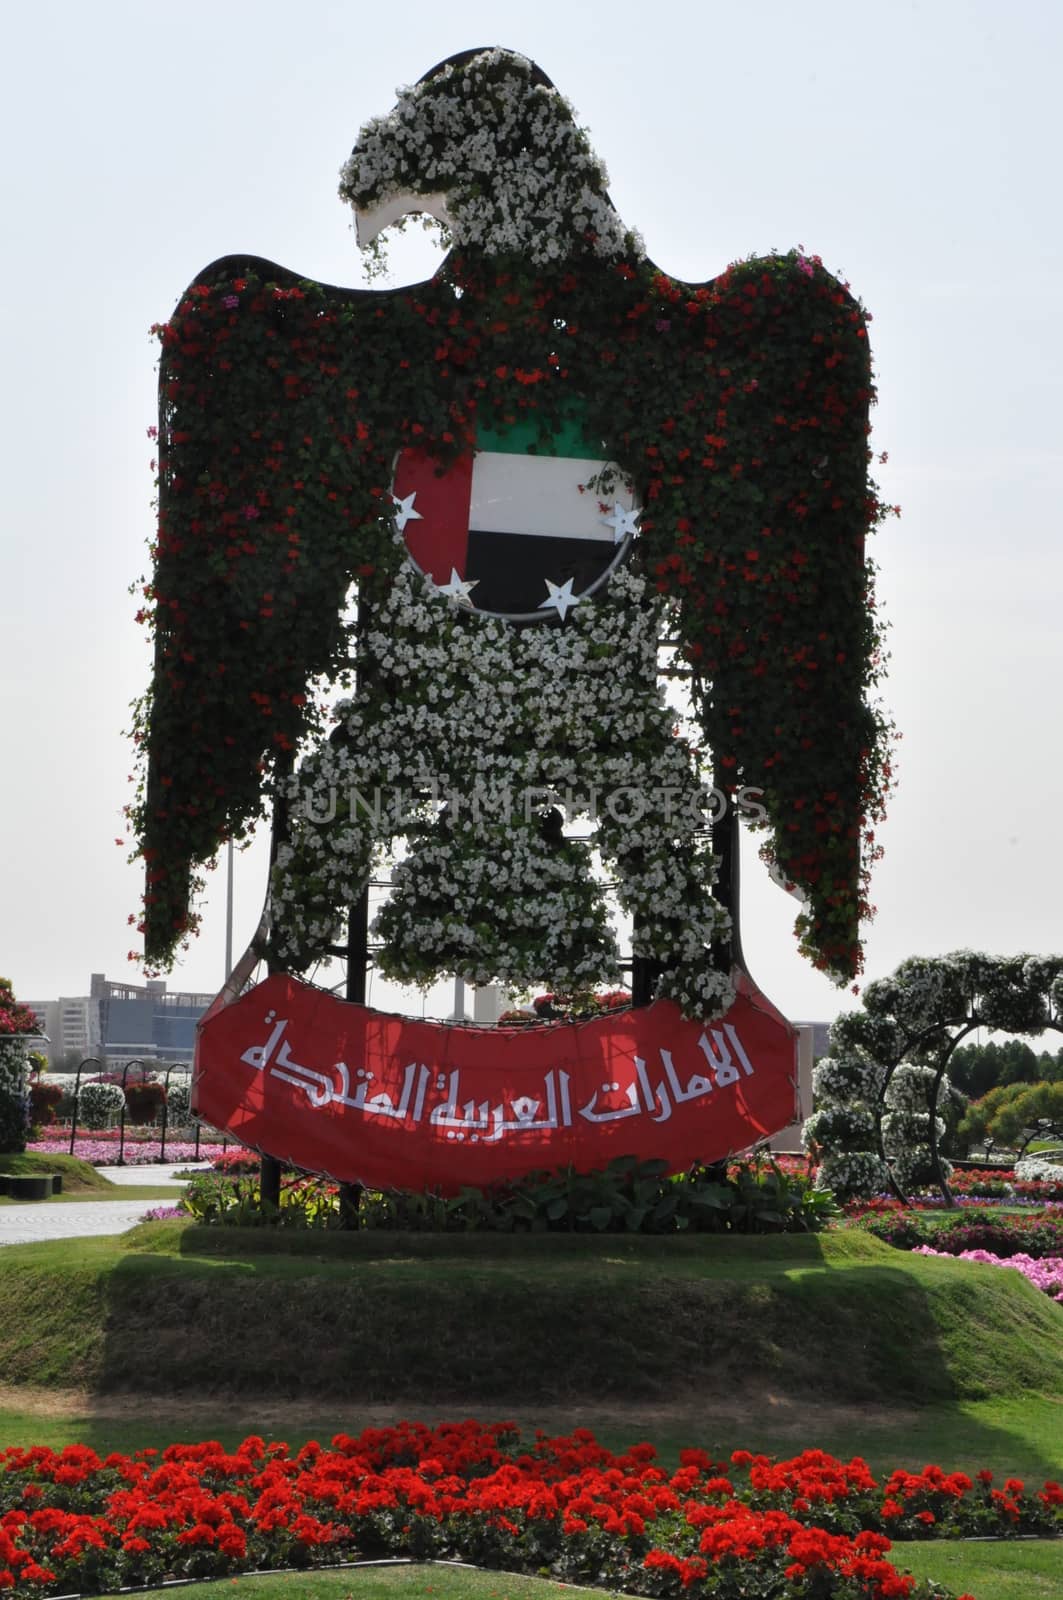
{"x":993,"y":1569}
{"x":81,"y":1181}
{"x":1014,"y":1438}
{"x":996,"y":1570}
{"x":474,"y":1320}
{"x":157,"y":1193}
{"x":394,"y":1582}
{"x":77,"y":1175}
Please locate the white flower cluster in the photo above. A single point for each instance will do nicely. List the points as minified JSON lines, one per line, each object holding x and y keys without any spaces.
{"x":100,"y":1105}
{"x":846,"y":1086}
{"x":845,"y":1078}
{"x":517,"y":172}
{"x":1015,"y":994}
{"x":852,"y":1172}
{"x":14,"y":1079}
{"x":840,"y":1127}
{"x":1038,"y":1169}
{"x":906,"y":1124}
{"x":467,"y":734}
{"x":921,"y":994}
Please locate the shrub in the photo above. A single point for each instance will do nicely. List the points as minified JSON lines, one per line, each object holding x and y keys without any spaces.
{"x":14,"y":1097}
{"x":179,"y":1101}
{"x":99,"y":1104}
{"x":1002,"y":1235}
{"x":45,"y":1100}
{"x":906,"y":1125}
{"x":144,"y":1101}
{"x":16,"y":1023}
{"x":627,"y":1197}
{"x":842,"y":1129}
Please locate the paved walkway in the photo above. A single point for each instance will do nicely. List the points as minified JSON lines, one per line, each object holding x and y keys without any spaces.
{"x":33,"y":1222}
{"x":152,"y":1174}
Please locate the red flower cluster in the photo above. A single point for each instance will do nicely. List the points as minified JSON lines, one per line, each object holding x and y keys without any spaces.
{"x":810,"y":1525}
{"x":14,"y":1017}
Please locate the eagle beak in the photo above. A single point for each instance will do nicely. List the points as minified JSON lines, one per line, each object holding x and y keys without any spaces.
{"x":371,"y":220}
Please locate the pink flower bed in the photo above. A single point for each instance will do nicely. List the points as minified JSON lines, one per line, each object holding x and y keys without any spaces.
{"x":1046,"y":1274}
{"x":139,"y":1152}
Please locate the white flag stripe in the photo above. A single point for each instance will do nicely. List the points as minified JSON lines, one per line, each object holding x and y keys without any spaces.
{"x":540,"y":495}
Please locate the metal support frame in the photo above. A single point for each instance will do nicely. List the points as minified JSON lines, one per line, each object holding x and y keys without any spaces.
{"x":269,"y":1182}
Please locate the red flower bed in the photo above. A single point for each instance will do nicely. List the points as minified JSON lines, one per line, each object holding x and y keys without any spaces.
{"x":810,"y":1526}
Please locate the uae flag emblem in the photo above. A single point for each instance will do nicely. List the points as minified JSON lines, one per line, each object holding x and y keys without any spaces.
{"x":519,"y":529}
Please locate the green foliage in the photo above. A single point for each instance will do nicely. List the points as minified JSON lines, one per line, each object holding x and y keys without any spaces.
{"x":907,"y":1033}
{"x":627,"y":1197}
{"x":1000,"y":1234}
{"x":977,"y":1068}
{"x":1012,"y":1114}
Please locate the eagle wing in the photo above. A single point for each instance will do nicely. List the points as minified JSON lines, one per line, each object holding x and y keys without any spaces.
{"x":758,"y":502}
{"x":273,"y":495}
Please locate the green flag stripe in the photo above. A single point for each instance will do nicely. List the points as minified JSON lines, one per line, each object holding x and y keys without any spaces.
{"x":525,"y":438}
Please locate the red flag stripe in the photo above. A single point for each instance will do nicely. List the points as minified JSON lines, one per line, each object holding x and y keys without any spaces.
{"x":439,"y":541}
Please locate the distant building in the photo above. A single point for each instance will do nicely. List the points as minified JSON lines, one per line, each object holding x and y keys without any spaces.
{"x":813,"y":1042}
{"x":123,"y":1021}
{"x":820,"y":1037}
{"x":70,"y":1024}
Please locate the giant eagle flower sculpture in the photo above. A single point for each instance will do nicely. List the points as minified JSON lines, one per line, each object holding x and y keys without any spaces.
{"x":736,"y":410}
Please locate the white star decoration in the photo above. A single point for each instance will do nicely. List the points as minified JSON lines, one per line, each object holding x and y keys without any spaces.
{"x":560,"y":599}
{"x":458,"y":588}
{"x":622,"y":523}
{"x":404,"y":511}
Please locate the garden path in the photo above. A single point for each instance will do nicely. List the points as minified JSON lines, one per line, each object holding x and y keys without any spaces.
{"x":33,"y":1222}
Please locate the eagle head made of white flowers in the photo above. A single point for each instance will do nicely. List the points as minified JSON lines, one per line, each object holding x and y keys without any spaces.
{"x":487,"y":145}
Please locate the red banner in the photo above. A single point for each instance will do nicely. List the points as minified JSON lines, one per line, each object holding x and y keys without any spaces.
{"x":394,"y":1103}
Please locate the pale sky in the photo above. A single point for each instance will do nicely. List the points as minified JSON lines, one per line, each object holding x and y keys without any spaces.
{"x":915,"y":147}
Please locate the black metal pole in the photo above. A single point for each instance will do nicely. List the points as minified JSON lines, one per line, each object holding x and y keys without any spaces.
{"x":165,"y":1113}
{"x":358,"y":948}
{"x":269,"y":1181}
{"x":357,"y":970}
{"x":121,"y":1124}
{"x":77,"y":1098}
{"x":726,"y":844}
{"x":357,"y":945}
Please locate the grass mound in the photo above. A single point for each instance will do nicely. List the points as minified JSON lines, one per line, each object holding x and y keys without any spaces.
{"x":459,"y":1319}
{"x":78,"y":1176}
